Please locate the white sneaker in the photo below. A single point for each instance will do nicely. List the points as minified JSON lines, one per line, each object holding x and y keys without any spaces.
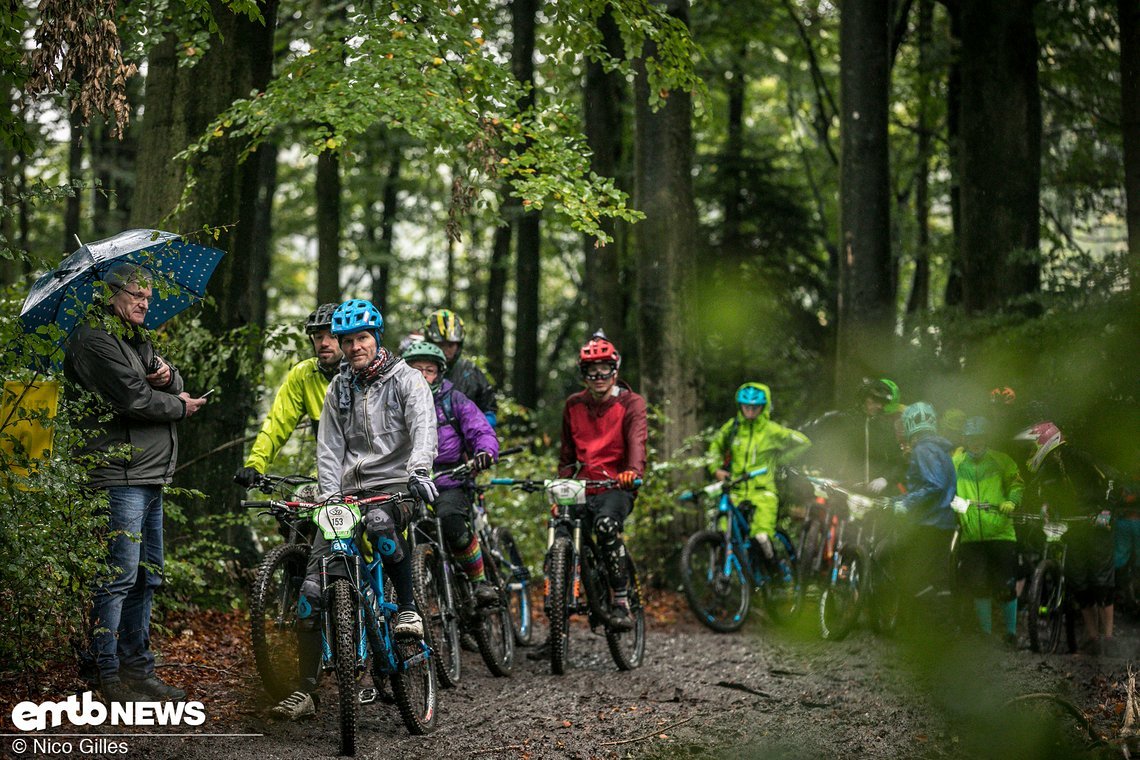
{"x":296,"y":706}
{"x":409,"y":625}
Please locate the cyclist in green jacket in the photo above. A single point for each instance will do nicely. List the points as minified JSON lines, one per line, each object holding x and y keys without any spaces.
{"x":991,"y":483}
{"x":302,"y":393}
{"x":749,"y":441}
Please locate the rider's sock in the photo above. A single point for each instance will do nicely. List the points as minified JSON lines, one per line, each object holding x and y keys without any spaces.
{"x":621,"y":598}
{"x":471,"y":560}
{"x":985,"y":615}
{"x":401,"y":573}
{"x":1009,"y":615}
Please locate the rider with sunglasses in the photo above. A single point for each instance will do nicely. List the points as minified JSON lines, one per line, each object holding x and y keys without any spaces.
{"x":603,"y":437}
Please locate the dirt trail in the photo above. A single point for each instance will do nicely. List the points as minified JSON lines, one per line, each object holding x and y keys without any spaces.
{"x":761,"y":692}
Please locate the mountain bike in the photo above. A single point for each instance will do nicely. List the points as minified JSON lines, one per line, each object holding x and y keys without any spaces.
{"x":276,"y":587}
{"x":841,"y":560}
{"x":1050,"y":607}
{"x":457,"y":611}
{"x":357,"y":618}
{"x":722,"y":565}
{"x":577,"y":580}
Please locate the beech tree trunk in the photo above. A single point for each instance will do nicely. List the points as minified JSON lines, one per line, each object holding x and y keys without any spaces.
{"x":865,"y":295}
{"x":666,"y":246}
{"x":1000,"y":154}
{"x":180,"y":103}
{"x":607,"y":290}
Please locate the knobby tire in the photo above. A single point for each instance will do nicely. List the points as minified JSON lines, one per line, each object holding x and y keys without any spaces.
{"x":273,"y":617}
{"x":441,"y":627}
{"x":719,"y":600}
{"x":558,"y":603}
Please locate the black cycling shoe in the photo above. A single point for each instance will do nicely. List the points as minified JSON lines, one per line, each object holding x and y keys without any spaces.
{"x":485,"y":594}
{"x":154,"y":687}
{"x":620,"y":619}
{"x":540,"y":652}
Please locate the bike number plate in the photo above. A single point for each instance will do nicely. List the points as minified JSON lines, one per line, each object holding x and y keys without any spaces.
{"x":337,"y":520}
{"x":566,"y":492}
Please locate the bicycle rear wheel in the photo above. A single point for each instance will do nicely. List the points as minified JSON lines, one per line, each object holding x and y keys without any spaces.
{"x":494,"y":633}
{"x":1046,"y":612}
{"x":273,"y":617}
{"x":343,"y":645}
{"x":441,"y":628}
{"x":781,"y":589}
{"x":558,"y":574}
{"x":839,"y":603}
{"x":628,"y":647}
{"x":716,"y":588}
{"x":514,"y":573}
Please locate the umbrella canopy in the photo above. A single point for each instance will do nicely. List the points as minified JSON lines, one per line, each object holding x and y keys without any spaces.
{"x":181,"y":270}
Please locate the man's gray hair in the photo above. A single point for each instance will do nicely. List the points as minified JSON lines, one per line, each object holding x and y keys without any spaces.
{"x":124,"y":272}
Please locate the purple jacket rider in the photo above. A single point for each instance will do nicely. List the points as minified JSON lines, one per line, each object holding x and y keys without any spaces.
{"x":478,"y":435}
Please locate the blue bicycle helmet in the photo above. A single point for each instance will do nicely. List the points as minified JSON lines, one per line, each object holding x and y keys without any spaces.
{"x":357,"y":315}
{"x":919,"y":417}
{"x":752,"y":394}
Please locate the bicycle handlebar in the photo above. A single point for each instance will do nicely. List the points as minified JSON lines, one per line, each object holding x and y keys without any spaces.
{"x":532,"y":485}
{"x":461,"y":470}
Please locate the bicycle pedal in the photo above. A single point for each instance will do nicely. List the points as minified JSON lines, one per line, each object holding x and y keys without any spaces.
{"x":368,"y":695}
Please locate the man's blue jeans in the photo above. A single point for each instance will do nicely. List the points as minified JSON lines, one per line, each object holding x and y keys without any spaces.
{"x":120,"y":616}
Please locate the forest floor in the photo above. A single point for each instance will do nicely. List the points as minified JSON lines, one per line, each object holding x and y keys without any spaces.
{"x":763,"y":692}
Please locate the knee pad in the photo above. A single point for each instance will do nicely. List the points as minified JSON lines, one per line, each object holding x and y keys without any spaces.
{"x":309,"y":605}
{"x":606,"y":529}
{"x":456,"y":532}
{"x":382,"y":533}
{"x":1008,"y":592}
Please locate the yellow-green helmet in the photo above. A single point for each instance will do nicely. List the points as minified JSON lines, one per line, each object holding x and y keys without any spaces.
{"x":444,"y":325}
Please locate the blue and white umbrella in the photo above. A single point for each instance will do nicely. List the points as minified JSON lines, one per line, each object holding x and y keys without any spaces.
{"x":181,"y":271}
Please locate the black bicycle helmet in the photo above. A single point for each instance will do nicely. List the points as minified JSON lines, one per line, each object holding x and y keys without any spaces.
{"x":321,"y":319}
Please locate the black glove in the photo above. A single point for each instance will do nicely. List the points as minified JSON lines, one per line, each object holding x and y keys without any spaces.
{"x":481,"y":461}
{"x":246,"y":476}
{"x":421,"y":485}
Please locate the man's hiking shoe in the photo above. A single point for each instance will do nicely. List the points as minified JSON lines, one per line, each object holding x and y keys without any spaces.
{"x":153,"y":687}
{"x":297,"y":706}
{"x":117,"y":691}
{"x":409,"y":625}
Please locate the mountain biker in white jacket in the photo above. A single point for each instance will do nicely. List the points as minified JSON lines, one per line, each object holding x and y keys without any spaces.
{"x":377,"y":435}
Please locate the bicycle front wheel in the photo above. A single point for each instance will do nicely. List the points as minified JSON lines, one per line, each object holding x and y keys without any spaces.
{"x":414,"y":687}
{"x":716,"y":588}
{"x":441,"y":627}
{"x":343,"y":647}
{"x":495,"y":633}
{"x":514,"y":573}
{"x":1046,"y":607}
{"x":273,"y":617}
{"x":558,"y":575}
{"x":628,"y":647}
{"x":839,"y":602}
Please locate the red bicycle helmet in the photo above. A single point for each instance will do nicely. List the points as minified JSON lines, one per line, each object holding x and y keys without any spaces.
{"x":1003,"y":395}
{"x":1045,"y":437}
{"x":598,"y":349}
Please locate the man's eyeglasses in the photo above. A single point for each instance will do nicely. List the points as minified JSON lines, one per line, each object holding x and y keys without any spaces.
{"x":599,"y":374}
{"x":137,"y":296}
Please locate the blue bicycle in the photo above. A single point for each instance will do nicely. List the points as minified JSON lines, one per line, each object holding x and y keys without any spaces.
{"x":722,"y":565}
{"x":357,"y":619}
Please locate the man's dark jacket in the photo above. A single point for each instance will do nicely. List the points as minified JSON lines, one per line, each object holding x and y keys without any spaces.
{"x":140,"y":417}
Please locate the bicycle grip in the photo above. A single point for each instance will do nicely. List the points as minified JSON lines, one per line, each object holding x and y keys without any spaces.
{"x":502,"y":481}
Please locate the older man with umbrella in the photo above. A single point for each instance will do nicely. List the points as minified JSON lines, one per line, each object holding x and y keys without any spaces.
{"x":131,"y":399}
